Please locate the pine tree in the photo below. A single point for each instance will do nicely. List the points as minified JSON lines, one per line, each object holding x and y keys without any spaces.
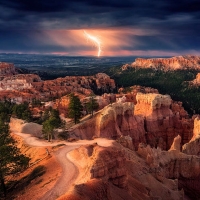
{"x":11,"y":160}
{"x":92,"y":105}
{"x":75,"y":108}
{"x":52,"y":121}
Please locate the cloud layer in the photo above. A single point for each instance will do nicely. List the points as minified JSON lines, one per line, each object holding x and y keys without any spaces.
{"x":125,"y":27}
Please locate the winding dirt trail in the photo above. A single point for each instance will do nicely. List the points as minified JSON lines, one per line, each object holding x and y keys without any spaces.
{"x":69,"y":170}
{"x":69,"y":174}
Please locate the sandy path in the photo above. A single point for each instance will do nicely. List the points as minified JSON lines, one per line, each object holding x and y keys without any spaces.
{"x":69,"y":174}
{"x":69,"y":170}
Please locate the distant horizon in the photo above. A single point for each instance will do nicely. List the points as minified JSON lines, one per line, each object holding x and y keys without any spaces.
{"x":93,"y":56}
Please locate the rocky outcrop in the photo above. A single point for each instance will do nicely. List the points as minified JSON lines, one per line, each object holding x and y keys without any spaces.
{"x":162,"y":124}
{"x":177,"y":108}
{"x":153,"y":101}
{"x":19,"y":82}
{"x":126,"y":141}
{"x":103,"y":81}
{"x":151,"y":121}
{"x":174,"y":63}
{"x":130,"y":95}
{"x":196,"y":130}
{"x":62,"y":103}
{"x":176,"y":144}
{"x":103,"y":163}
{"x":93,"y":189}
{"x":119,"y":174}
{"x":32,"y":87}
{"x":193,"y":146}
{"x":183,"y":169}
{"x":7,"y":69}
{"x":172,"y":164}
{"x":112,"y":122}
{"x":196,"y":81}
{"x":80,"y":84}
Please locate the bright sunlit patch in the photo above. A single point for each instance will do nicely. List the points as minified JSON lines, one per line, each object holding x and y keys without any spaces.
{"x":95,"y":40}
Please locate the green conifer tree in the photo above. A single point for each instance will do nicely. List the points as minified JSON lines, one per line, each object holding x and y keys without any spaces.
{"x":75,"y":108}
{"x":92,"y":105}
{"x":52,"y":121}
{"x":11,"y":160}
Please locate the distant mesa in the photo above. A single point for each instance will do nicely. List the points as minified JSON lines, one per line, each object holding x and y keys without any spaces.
{"x":174,"y":63}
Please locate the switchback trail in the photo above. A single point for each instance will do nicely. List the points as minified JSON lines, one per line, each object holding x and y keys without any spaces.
{"x":69,"y":170}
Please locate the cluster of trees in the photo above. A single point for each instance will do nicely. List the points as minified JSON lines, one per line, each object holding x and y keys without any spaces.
{"x":175,"y":83}
{"x":11,"y":160}
{"x":91,"y":105}
{"x":76,"y":108}
{"x":51,"y":119}
{"x":20,"y":111}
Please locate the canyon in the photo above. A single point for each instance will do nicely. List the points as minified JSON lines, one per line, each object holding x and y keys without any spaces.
{"x":139,"y":144}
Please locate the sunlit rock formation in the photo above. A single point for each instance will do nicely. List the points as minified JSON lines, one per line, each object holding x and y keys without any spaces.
{"x":174,"y":63}
{"x":112,"y":122}
{"x":162,"y":124}
{"x":131,"y":95}
{"x":152,"y":120}
{"x":193,"y":146}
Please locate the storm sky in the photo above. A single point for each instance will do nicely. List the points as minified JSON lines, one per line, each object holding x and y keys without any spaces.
{"x":124,"y":27}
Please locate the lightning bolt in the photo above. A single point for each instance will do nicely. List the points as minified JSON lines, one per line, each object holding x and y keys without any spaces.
{"x":95,"y":40}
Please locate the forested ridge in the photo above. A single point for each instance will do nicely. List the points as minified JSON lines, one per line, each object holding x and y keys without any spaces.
{"x":175,"y":83}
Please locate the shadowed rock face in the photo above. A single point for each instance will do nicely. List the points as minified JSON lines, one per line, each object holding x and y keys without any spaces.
{"x":93,"y":189}
{"x":183,"y":168}
{"x":103,"y":163}
{"x":120,"y":173}
{"x":174,"y":63}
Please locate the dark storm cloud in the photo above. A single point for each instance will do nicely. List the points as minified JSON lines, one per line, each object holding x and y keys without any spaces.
{"x":114,"y":12}
{"x":177,"y":23}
